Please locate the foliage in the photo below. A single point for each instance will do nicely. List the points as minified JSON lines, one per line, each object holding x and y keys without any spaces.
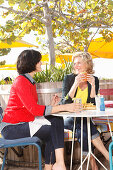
{"x":2,"y":62}
{"x":2,"y":82}
{"x":70,"y":14}
{"x":4,"y":51}
{"x":53,"y":73}
{"x":7,"y":80}
{"x":73,"y":24}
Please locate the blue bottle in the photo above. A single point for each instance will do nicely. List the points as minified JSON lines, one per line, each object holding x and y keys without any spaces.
{"x":102,"y":105}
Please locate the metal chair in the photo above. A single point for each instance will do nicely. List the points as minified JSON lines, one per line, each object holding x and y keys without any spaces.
{"x":4,"y":143}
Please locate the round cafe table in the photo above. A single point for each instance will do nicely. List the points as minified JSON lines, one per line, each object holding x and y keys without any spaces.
{"x":88,"y":114}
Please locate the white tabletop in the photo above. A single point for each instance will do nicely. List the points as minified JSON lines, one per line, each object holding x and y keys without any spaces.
{"x":87,"y":113}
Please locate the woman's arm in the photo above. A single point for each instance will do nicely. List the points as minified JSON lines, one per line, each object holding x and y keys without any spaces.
{"x":65,"y":90}
{"x":94,"y":85}
{"x":70,"y":85}
{"x":93,"y":93}
{"x":76,"y":81}
{"x":72,"y":107}
{"x":74,"y":86}
{"x":25,"y":92}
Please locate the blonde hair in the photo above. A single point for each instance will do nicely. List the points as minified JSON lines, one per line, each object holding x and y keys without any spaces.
{"x":86,"y":57}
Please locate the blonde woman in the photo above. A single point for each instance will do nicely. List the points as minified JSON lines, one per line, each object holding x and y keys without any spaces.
{"x":81,"y":83}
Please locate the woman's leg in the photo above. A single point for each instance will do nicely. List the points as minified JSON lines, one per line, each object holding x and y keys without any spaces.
{"x":53,"y":135}
{"x":44,"y":133}
{"x":97,"y":142}
{"x":57,"y":136}
{"x":48,"y":167}
{"x":93,"y":163}
{"x":94,"y":133}
{"x":59,"y":165}
{"x":68,"y":123}
{"x":85,"y":136}
{"x":16,"y":131}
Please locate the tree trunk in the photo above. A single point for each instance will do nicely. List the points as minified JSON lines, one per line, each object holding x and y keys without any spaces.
{"x":51,"y":46}
{"x":49,"y":35}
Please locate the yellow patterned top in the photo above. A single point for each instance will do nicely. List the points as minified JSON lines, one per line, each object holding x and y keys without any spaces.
{"x":82,"y":94}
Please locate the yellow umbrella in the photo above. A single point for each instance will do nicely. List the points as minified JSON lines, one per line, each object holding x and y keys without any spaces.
{"x":8,"y":67}
{"x":15,"y":44}
{"x":63,"y":57}
{"x":45,"y":59}
{"x":58,"y":58}
{"x":99,"y":48}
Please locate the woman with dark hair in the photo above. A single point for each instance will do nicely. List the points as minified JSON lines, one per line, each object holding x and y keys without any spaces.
{"x":82,"y":84}
{"x":24,"y":117}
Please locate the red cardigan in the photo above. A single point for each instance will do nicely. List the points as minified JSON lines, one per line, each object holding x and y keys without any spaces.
{"x":22,"y":105}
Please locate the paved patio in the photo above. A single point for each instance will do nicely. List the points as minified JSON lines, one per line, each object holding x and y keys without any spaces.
{"x":75,"y":166}
{"x":76,"y":161}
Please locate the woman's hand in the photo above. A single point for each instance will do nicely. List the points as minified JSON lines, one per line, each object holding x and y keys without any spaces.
{"x":55,"y":100}
{"x":75,"y":107}
{"x":91,"y":79}
{"x":78,"y":79}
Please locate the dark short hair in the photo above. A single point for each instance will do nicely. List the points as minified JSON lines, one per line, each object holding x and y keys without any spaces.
{"x":27,"y":61}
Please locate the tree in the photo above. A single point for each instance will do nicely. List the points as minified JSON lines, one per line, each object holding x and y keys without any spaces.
{"x":4,"y":51}
{"x":70,"y":25}
{"x":2,"y":62}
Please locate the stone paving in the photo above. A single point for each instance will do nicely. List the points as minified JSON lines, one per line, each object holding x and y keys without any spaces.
{"x":75,"y":166}
{"x":67,"y":160}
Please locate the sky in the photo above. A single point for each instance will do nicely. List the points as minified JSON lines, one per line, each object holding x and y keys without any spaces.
{"x":103,"y":68}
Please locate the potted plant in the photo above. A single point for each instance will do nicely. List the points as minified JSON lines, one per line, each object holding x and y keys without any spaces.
{"x":49,"y":81}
